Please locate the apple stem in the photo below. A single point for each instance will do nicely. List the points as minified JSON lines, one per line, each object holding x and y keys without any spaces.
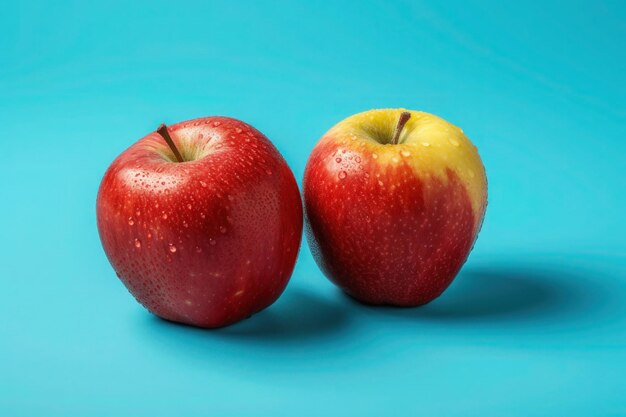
{"x":162,"y":130}
{"x":404,"y":117}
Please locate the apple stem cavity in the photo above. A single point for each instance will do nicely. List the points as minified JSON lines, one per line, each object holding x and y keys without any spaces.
{"x":162,"y":130}
{"x":404,"y":117}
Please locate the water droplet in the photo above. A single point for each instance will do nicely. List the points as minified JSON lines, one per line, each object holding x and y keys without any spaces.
{"x":238,"y":130}
{"x":425,"y":144}
{"x":202,"y":215}
{"x":268,"y":171}
{"x":375,"y":156}
{"x":137,"y":243}
{"x":189,"y":206}
{"x":342,"y":175}
{"x":203,"y":184}
{"x":454,"y":142}
{"x":337,"y":160}
{"x":394,"y":160}
{"x":130,"y":221}
{"x":164,"y":216}
{"x":405,"y":153}
{"x":222,"y":229}
{"x":172,"y":248}
{"x":380,"y":183}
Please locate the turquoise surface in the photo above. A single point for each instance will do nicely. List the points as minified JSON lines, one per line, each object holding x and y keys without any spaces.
{"x":534,"y":325}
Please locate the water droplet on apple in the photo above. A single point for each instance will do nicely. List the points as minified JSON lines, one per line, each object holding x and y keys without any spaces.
{"x":425,"y":144}
{"x":454,"y":142}
{"x":189,"y":206}
{"x":137,"y":243}
{"x":172,"y":248}
{"x":164,"y":216}
{"x":342,"y":175}
{"x":223,"y":229}
{"x":203,"y":184}
{"x":375,"y":156}
{"x":405,"y":153}
{"x":131,"y":221}
{"x":238,"y":130}
{"x":268,"y":171}
{"x":394,"y":160}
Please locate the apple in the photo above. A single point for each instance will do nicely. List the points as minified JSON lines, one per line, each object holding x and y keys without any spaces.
{"x":394,"y":201}
{"x":202,"y":221}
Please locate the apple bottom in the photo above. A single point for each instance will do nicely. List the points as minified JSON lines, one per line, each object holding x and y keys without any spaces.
{"x":212,"y":278}
{"x":400,"y":247}
{"x":211,"y":285}
{"x":209,"y":312}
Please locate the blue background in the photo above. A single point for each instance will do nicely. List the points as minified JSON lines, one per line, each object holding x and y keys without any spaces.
{"x":535,"y":324}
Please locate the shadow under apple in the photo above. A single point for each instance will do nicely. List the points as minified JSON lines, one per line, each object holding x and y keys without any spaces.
{"x":298,"y":315}
{"x":513,"y":293}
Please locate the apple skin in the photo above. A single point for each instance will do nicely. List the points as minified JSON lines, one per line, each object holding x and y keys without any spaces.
{"x":393,"y":224}
{"x":209,"y":241}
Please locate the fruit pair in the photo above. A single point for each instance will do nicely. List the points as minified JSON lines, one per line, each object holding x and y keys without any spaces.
{"x":202,"y":221}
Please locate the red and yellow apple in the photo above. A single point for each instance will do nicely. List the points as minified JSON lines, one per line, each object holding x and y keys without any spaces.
{"x":394,"y":201}
{"x":204,"y":231}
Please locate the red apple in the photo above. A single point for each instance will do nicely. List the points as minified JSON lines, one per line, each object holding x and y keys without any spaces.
{"x":394,"y":201}
{"x":207,"y":241}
